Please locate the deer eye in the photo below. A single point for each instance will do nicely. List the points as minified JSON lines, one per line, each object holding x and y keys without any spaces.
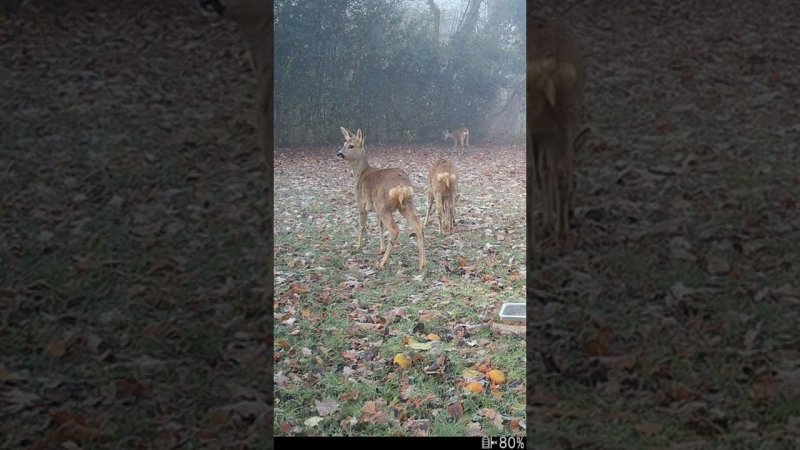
{"x":351,"y":145}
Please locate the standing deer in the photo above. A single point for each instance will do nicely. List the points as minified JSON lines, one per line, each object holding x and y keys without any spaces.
{"x":556,"y":75}
{"x":254,"y":18}
{"x":459,"y":136}
{"x":383,"y":191}
{"x":442,"y":190}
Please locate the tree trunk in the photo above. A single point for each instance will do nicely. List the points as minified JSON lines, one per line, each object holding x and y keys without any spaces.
{"x":436,"y":17}
{"x":470,"y":22}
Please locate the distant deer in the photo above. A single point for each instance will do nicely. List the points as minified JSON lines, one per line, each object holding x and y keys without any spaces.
{"x":459,"y":136}
{"x":442,"y":187}
{"x":556,"y":75}
{"x":383,"y":191}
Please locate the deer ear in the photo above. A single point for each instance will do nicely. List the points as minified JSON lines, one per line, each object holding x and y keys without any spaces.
{"x":359,"y":136}
{"x":345,"y":133}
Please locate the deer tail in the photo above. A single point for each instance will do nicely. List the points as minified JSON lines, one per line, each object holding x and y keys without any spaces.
{"x":446,"y":177}
{"x":401,"y":193}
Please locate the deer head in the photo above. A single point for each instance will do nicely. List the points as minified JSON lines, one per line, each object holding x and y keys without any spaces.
{"x":353,"y":147}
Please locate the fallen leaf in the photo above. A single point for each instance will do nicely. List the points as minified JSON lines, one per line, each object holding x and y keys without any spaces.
{"x":496,"y":376}
{"x":373,"y":413}
{"x":297,"y":288}
{"x":285,"y":427}
{"x":326,"y":407}
{"x":484,"y":366}
{"x":474,"y":387}
{"x":419,"y":345}
{"x":471,"y":374}
{"x":352,"y":395}
{"x":433,"y":337}
{"x":456,"y":410}
{"x":474,"y":429}
{"x":402,"y":361}
{"x":312,"y":421}
{"x":407,"y":391}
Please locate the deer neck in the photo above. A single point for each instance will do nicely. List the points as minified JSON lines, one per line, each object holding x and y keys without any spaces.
{"x":359,"y":166}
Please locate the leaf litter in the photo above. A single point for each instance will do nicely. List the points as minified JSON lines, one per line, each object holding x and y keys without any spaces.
{"x":132,"y":231}
{"x":673,"y":319}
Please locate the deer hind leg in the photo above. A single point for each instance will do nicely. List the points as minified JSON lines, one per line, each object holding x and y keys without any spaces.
{"x":448,"y":215}
{"x":439,"y":211}
{"x":387,"y":220}
{"x":430,"y":207}
{"x":380,"y":232}
{"x":407,"y":210}
{"x":453,"y":205}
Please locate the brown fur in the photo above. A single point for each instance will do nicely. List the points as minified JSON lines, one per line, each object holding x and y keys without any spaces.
{"x":556,"y":75}
{"x":383,"y":191}
{"x":442,"y":191}
{"x":459,"y":136}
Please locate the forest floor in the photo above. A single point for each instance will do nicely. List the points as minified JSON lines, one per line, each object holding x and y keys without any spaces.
{"x":674,"y":320}
{"x":132,"y":250}
{"x":341,"y":322}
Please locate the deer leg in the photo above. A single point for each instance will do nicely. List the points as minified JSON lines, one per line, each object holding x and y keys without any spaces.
{"x":362,"y":227}
{"x":451,"y":209}
{"x":439,"y":210}
{"x":446,"y":215}
{"x":380,"y":232}
{"x":430,"y":206}
{"x":388,"y":221}
{"x":411,"y":218}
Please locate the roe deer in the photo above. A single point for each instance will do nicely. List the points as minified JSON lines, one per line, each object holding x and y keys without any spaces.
{"x":383,"y":191}
{"x":459,"y":136}
{"x":442,"y":187}
{"x":556,"y":74}
{"x":254,"y":18}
